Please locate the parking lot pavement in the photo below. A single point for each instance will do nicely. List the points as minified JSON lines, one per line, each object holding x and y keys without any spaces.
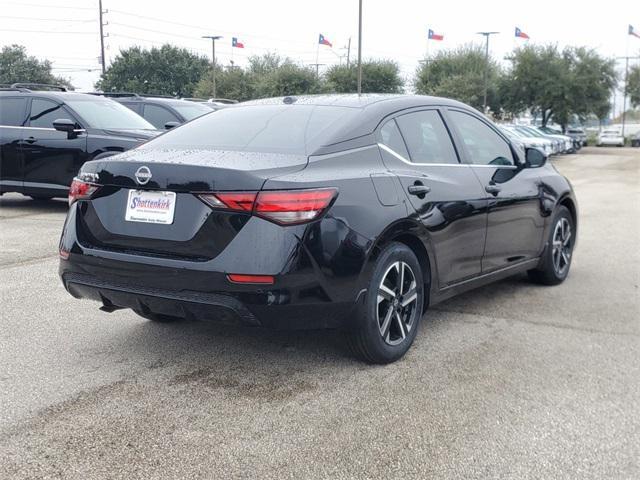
{"x":512,"y":380}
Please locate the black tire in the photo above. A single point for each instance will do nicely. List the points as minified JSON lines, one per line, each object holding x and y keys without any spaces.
{"x":554,"y":266}
{"x":366,"y":338}
{"x":41,"y":198}
{"x":157,"y":317}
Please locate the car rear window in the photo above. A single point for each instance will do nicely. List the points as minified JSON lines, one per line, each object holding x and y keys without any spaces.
{"x":293,"y":129}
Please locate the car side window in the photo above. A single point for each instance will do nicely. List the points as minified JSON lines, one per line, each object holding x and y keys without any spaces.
{"x":427,"y":138}
{"x":392,"y":138}
{"x":45,"y":112}
{"x":484,"y":145}
{"x":158,"y":116}
{"x":13,"y":111}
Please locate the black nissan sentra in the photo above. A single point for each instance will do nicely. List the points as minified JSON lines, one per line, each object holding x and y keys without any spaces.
{"x":322,"y":211}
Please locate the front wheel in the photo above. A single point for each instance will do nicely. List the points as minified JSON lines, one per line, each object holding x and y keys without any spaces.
{"x":387,"y":322}
{"x":556,"y":259}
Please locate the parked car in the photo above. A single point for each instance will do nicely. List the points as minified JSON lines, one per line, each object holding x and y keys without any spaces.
{"x":543,"y":144}
{"x":532,"y":132}
{"x":610,"y":137}
{"x":321,"y":211}
{"x":47,"y":133}
{"x":635,"y":140}
{"x":578,"y":134}
{"x":162,"y":112}
{"x":567,"y":142}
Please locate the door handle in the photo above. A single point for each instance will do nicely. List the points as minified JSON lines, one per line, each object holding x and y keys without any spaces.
{"x":493,"y":189}
{"x":30,"y":140}
{"x":418,"y":189}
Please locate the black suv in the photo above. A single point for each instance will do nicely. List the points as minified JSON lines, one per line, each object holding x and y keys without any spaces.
{"x":163,"y":112}
{"x":47,"y":133}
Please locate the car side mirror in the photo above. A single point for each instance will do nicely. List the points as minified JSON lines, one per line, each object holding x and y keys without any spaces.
{"x":170,"y":125}
{"x":535,"y":158}
{"x":65,"y":125}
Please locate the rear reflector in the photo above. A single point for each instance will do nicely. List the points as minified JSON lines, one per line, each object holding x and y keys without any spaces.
{"x":286,"y":207}
{"x":80,"y":190}
{"x":261,"y":279}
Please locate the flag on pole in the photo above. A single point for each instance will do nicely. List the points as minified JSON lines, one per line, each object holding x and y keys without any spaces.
{"x":323,"y":41}
{"x":521,"y":34}
{"x":435,"y":36}
{"x":236,"y":44}
{"x":632,"y":31}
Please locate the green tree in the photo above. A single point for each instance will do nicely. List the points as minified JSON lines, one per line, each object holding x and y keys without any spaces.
{"x":232,"y":82}
{"x":167,"y":70}
{"x":459,"y":74}
{"x":558,"y":84}
{"x":267,"y":75}
{"x":633,"y":85}
{"x":378,"y":76}
{"x":17,"y":66}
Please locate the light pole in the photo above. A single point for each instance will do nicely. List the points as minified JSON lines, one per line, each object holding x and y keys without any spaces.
{"x":486,"y":68}
{"x":626,"y":78}
{"x":360,"y":47}
{"x":213,"y":58}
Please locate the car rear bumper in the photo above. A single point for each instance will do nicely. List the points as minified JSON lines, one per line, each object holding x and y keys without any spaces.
{"x":306,"y":294}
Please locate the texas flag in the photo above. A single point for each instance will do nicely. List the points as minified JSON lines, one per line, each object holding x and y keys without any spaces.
{"x":521,"y":34}
{"x":235,"y":43}
{"x":632,"y":31}
{"x":323,"y":41}
{"x":435,"y":36}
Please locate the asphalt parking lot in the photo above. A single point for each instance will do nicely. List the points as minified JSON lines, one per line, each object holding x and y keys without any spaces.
{"x":512,"y":380}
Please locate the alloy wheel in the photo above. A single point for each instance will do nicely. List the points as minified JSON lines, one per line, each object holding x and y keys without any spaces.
{"x":397,"y":300}
{"x":561,"y":246}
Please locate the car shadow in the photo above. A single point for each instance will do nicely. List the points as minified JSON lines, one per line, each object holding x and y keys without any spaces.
{"x":210,"y":347}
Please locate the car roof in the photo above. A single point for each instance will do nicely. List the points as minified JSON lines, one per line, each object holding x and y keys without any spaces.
{"x":59,"y":96}
{"x":356,"y":101}
{"x":373,"y":108}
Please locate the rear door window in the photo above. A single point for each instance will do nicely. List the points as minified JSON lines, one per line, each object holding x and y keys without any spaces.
{"x":45,"y":112}
{"x":158,"y":116}
{"x":427,"y":138}
{"x":12,"y":111}
{"x":392,"y":138}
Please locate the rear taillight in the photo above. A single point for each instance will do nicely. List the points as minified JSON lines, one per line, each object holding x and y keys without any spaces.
{"x":286,"y":207}
{"x":80,"y":190}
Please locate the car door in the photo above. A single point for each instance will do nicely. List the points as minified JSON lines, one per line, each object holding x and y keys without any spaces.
{"x":158,"y":115}
{"x":13,"y":113}
{"x":51,"y":158}
{"x":446,"y":195}
{"x":514,"y":223}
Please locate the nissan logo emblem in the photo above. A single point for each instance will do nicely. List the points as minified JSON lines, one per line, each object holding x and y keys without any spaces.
{"x":143,"y":175}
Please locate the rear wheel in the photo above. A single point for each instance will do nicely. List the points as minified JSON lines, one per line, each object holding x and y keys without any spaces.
{"x":157,"y":317}
{"x":387,"y":323}
{"x":556,"y":259}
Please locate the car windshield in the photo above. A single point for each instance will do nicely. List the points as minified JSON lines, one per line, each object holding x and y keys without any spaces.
{"x":191,"y":110}
{"x":108,"y":114}
{"x":293,"y":129}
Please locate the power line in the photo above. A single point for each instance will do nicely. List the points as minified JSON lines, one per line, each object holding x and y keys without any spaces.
{"x":49,"y":19}
{"x":39,"y":5}
{"x":46,"y":31}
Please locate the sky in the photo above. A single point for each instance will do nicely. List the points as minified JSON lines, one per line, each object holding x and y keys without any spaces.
{"x":66,"y":31}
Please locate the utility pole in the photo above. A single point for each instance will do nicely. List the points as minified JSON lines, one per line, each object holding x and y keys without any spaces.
{"x":348,"y":52}
{"x":102,"y":60}
{"x":360,"y":47}
{"x":626,"y":78}
{"x":317,"y":65}
{"x":486,"y":68}
{"x":213,"y":59}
